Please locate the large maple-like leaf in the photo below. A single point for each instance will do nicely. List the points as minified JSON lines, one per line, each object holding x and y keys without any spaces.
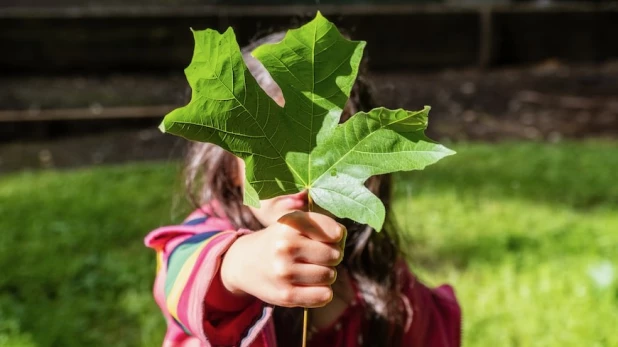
{"x":300,"y":146}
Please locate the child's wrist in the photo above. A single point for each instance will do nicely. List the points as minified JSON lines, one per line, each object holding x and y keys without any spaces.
{"x":229,"y":270}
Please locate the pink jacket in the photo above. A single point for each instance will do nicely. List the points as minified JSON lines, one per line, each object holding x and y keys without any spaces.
{"x":200,"y":312}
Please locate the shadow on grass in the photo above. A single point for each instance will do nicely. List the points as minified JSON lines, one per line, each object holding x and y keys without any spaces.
{"x":487,"y":249}
{"x":521,"y":188}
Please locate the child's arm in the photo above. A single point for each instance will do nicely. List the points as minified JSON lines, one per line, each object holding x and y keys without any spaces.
{"x":189,"y":291}
{"x":287,"y":264}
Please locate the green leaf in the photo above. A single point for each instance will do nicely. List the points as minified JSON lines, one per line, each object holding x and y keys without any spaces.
{"x":368,"y":144}
{"x":300,"y":146}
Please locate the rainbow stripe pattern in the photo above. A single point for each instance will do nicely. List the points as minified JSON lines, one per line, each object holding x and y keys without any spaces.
{"x":188,"y":260}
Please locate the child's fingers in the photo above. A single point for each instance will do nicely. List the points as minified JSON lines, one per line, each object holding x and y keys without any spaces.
{"x":333,"y":231}
{"x":319,"y":253}
{"x":312,"y":275}
{"x":315,"y":226}
{"x":305,"y":296}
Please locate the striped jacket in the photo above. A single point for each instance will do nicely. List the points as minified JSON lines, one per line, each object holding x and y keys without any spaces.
{"x":201,"y":313}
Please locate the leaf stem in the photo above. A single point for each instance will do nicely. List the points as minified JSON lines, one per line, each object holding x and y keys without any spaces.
{"x":306,"y":310}
{"x":305,"y":319}
{"x":310,"y":200}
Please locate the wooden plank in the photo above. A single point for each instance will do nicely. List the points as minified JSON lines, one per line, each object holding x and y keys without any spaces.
{"x":121,"y":45}
{"x":415,"y":36}
{"x":85,"y":113}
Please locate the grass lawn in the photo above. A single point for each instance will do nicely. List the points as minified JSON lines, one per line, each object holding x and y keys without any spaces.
{"x":527,"y":234}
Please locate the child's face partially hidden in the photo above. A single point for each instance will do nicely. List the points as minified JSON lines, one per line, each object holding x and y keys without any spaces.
{"x":271,"y":210}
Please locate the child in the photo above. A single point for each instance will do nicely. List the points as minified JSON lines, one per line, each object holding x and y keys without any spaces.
{"x":233,"y":275}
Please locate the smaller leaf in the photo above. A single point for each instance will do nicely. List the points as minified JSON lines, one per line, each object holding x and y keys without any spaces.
{"x":374,"y":143}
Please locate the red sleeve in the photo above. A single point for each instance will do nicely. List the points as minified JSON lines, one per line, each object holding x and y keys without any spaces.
{"x":228,"y":318}
{"x":189,"y":291}
{"x":436,"y":315}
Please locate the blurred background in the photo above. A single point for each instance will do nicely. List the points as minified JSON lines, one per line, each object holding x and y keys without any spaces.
{"x":523,"y":221}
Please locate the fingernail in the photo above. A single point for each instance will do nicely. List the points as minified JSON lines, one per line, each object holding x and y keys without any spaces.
{"x":344,"y":230}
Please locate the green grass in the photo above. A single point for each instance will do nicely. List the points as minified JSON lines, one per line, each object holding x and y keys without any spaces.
{"x":527,"y":234}
{"x":74,"y":268}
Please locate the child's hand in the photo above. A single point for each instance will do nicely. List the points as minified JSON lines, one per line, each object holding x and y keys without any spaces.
{"x":290,"y":263}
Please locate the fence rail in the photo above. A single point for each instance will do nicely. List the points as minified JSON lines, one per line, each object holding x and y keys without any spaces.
{"x":85,"y":113}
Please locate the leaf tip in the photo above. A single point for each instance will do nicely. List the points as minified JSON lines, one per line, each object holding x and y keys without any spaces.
{"x":162,"y":127}
{"x":377,"y":226}
{"x":229,"y":30}
{"x":319,"y":18}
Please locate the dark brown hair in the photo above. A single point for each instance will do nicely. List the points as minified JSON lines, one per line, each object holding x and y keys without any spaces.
{"x":370,"y":257}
